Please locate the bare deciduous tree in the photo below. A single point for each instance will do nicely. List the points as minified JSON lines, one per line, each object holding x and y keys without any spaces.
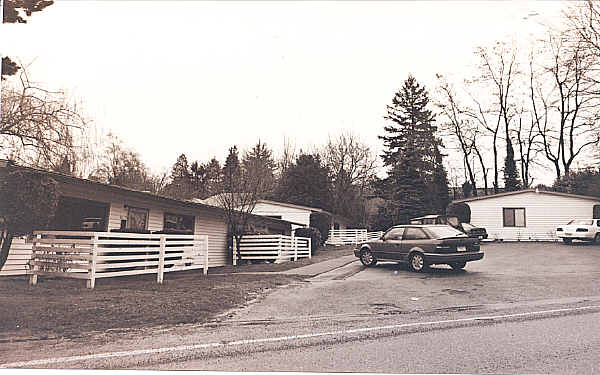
{"x":566,"y":112}
{"x":42,"y":128}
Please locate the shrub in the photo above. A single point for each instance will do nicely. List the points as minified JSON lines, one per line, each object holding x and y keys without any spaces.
{"x":460,"y":210}
{"x":313,"y":233}
{"x":322,"y":222}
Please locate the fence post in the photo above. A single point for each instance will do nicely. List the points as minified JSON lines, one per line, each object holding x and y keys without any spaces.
{"x":279,"y":246}
{"x":91,"y":282}
{"x":205,"y":270}
{"x":33,"y":277}
{"x":309,"y":248}
{"x":295,"y":244}
{"x":234,"y":251}
{"x":161,"y":259}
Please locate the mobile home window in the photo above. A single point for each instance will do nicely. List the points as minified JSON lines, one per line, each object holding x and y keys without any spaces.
{"x":137,"y":218}
{"x":514,"y":217}
{"x":179,"y":222}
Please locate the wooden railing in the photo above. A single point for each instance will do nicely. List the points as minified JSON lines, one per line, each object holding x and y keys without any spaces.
{"x":92,"y":255}
{"x":350,"y":236}
{"x":272,"y":247}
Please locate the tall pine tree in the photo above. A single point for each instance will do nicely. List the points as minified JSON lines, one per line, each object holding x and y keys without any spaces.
{"x":416,"y":183}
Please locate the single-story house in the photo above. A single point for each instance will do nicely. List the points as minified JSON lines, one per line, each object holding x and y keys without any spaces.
{"x":297,"y":214}
{"x":85,"y":203}
{"x":528,"y":215}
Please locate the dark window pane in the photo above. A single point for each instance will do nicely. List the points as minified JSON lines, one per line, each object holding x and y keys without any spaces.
{"x":415,"y":234}
{"x":137,"y":218}
{"x":509,"y":217}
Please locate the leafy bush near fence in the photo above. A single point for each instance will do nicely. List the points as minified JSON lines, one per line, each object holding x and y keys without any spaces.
{"x":322,"y":222}
{"x":313,"y":233}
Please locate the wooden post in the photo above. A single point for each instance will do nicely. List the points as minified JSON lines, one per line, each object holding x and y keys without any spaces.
{"x":295,"y":244}
{"x":279,"y":246}
{"x":309,"y":249}
{"x":91,"y":282}
{"x":161,"y":259}
{"x":234,"y":251}
{"x":205,"y":270}
{"x":33,"y":277}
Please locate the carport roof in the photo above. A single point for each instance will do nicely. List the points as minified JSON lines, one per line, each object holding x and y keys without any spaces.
{"x":132,"y":192}
{"x":597,"y":199}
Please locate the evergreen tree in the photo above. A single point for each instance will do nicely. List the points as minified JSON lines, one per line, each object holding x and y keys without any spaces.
{"x":259,"y":162}
{"x":417,"y":181}
{"x":306,"y":182}
{"x":181,"y":184}
{"x":511,"y":173}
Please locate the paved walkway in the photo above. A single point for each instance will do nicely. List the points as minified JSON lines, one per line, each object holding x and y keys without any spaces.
{"x":321,"y":267}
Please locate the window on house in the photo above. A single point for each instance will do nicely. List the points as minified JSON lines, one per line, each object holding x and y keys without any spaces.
{"x":514,"y":217}
{"x":178,"y":222}
{"x":137,"y":218}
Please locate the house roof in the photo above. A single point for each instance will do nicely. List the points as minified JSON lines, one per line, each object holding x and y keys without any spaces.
{"x":132,"y":192}
{"x":214,"y":201}
{"x":597,"y":199}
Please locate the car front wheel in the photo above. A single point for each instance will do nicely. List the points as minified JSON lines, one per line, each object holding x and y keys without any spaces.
{"x":367,"y":258}
{"x":417,"y":263}
{"x":458,"y":265}
{"x":597,"y":238}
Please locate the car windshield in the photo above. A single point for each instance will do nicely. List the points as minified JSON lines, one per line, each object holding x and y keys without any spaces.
{"x":440,"y":232}
{"x":581,"y":222}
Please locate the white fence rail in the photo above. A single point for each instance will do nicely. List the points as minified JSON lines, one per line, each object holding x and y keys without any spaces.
{"x":350,"y":236}
{"x":272,"y":247}
{"x":92,"y":255}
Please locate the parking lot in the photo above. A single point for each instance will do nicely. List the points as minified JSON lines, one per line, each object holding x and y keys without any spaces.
{"x":510,"y":274}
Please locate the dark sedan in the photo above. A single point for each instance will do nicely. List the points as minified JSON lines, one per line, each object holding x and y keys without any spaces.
{"x":421,"y":246}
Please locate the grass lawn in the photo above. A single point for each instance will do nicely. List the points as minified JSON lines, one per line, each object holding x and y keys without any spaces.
{"x":64,"y":307}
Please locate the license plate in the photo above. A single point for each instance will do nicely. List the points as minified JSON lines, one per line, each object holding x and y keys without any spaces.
{"x":461,"y":248}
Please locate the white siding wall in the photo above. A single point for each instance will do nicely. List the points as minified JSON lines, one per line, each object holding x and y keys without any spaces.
{"x":215,"y":227}
{"x":296,"y":215}
{"x":18,"y":256}
{"x":115,"y":212}
{"x":543,"y":213}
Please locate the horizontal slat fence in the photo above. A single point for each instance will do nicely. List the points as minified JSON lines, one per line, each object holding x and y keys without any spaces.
{"x":92,"y":255}
{"x":272,"y":247}
{"x":350,"y":236}
{"x":19,"y":256}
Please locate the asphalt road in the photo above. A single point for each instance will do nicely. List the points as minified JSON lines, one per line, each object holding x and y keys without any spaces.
{"x":320,"y":317}
{"x":561,"y":345}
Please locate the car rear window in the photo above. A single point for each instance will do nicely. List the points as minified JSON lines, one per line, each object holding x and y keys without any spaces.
{"x":444,"y":232}
{"x":581,"y":222}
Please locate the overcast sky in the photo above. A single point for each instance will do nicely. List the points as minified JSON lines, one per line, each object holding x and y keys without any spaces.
{"x":196,"y":77}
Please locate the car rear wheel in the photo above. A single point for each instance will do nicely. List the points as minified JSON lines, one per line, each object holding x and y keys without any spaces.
{"x":567,"y":240}
{"x":597,"y":238}
{"x":417,"y":263}
{"x":458,"y":265}
{"x":367,"y":258}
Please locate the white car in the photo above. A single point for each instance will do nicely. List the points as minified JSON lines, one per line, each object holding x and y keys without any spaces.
{"x":580,"y":229}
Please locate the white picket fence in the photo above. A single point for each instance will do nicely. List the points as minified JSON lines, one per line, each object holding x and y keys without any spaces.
{"x":350,"y":236}
{"x":272,"y":247}
{"x":92,"y":255}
